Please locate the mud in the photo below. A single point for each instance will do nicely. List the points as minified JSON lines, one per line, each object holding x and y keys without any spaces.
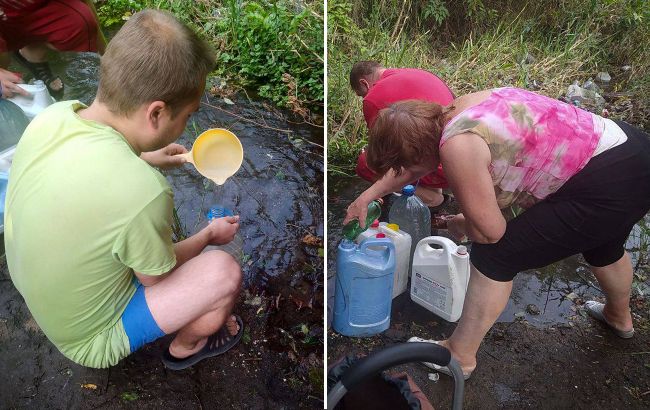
{"x":278,"y":194}
{"x":550,"y":356}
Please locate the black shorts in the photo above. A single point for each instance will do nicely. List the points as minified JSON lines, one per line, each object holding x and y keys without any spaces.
{"x":593,"y":213}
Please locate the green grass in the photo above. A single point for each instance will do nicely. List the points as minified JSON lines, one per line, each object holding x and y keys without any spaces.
{"x":481,"y":44}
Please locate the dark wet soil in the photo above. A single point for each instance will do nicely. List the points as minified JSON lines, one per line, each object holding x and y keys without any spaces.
{"x":278,"y":193}
{"x":544,"y":352}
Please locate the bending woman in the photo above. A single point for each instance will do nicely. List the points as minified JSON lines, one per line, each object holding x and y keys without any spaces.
{"x":583,"y":180}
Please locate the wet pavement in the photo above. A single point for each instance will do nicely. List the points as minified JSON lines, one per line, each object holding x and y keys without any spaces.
{"x":278,"y":194}
{"x":544,"y":352}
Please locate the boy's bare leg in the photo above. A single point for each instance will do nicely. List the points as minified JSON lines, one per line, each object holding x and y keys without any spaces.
{"x":196,"y":300}
{"x":616,"y":281}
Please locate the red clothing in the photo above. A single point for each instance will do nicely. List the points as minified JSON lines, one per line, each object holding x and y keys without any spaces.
{"x":68,"y":25}
{"x":398,"y":84}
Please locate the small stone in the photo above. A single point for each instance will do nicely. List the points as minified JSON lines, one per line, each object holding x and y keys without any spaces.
{"x":572,"y":296}
{"x":532,"y":309}
{"x":520,"y":315}
{"x":604,"y":77}
{"x":626,"y":68}
{"x":255,"y":301}
{"x":434,"y":377}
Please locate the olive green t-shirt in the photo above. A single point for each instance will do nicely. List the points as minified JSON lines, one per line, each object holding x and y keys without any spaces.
{"x":83,"y":211}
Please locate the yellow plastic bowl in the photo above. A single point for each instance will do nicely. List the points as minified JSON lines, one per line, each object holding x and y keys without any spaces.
{"x":217,"y":154}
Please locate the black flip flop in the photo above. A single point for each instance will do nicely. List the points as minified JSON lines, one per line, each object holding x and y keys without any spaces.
{"x":41,"y":71}
{"x":218,"y":343}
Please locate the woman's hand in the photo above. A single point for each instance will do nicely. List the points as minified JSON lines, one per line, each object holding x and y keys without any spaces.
{"x":358,"y":210}
{"x":456,"y":227}
{"x":222,"y":230}
{"x":165,"y":158}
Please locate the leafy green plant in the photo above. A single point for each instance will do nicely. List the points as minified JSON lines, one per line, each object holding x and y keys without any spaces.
{"x":274,"y":46}
{"x":114,"y":12}
{"x":436,"y":10}
{"x":277,"y":46}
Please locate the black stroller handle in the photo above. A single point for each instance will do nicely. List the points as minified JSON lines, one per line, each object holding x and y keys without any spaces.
{"x":393,"y":356}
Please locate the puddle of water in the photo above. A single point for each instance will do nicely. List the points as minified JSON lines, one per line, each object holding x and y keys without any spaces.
{"x":550,"y":289}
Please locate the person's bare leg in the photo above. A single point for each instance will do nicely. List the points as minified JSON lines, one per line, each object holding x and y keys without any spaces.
{"x":616,"y":282}
{"x":196,"y":300}
{"x":484,"y":302}
{"x":430,"y":196}
{"x":37,"y":53}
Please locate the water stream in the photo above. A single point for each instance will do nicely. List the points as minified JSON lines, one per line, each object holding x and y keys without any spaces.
{"x":278,"y":193}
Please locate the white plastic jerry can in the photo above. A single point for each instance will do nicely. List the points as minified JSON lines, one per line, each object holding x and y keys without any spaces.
{"x":370,"y":232}
{"x":39,"y":98}
{"x":440,"y":277}
{"x":402,"y":242}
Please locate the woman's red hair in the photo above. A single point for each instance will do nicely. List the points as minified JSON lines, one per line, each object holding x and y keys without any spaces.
{"x":405,"y":134}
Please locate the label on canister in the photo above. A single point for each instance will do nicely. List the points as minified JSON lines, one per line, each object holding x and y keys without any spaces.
{"x":433,"y":293}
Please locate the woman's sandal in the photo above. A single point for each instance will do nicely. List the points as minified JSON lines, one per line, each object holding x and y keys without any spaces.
{"x":218,"y":343}
{"x":595,"y":310}
{"x":43,"y":72}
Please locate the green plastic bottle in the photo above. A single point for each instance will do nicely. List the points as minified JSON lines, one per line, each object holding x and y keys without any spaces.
{"x":352,"y":229}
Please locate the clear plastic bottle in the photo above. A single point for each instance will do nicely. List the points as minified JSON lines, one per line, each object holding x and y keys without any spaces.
{"x":412,"y":216}
{"x":352,"y":229}
{"x":235,"y":247}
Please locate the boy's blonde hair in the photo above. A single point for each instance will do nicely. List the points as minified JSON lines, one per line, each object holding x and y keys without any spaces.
{"x":154,"y":57}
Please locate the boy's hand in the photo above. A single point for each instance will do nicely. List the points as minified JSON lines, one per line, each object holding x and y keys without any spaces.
{"x":222,"y":231}
{"x":165,"y":157}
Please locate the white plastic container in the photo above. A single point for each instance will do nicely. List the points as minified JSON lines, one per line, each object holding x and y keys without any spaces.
{"x":440,"y":277}
{"x":39,"y":98}
{"x":371,"y":232}
{"x":402,"y":242}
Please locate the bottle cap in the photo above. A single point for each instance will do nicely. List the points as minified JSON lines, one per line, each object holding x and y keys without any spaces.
{"x":394,"y":227}
{"x":462,"y":250}
{"x":380,"y":235}
{"x":375,"y":223}
{"x":408,"y":190}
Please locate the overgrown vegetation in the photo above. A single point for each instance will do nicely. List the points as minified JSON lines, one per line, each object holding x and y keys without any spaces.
{"x":478,"y":44}
{"x":275,"y":47}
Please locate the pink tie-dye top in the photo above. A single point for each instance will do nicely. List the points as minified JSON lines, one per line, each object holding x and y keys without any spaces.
{"x":537,"y":143}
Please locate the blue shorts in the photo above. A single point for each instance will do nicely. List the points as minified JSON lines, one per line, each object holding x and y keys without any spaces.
{"x":139,"y":325}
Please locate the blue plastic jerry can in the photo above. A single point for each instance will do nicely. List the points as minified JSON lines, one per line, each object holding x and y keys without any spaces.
{"x":364,"y":287}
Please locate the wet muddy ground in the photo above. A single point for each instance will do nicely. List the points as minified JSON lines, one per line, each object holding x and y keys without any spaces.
{"x":543,"y":353}
{"x":278,"y":193}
